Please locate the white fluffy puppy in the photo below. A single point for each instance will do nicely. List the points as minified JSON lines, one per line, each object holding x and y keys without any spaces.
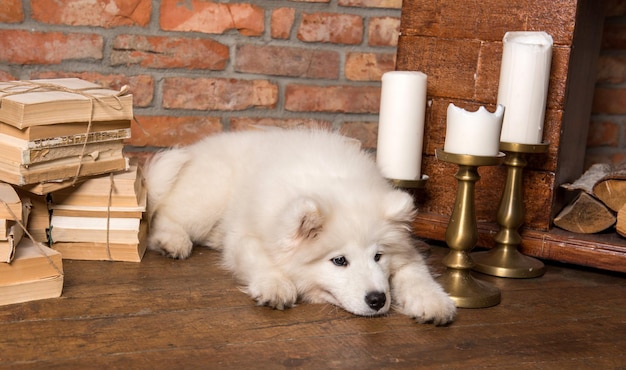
{"x":297,"y":215}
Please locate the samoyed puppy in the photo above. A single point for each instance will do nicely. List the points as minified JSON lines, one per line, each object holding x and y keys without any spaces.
{"x":297,"y":215}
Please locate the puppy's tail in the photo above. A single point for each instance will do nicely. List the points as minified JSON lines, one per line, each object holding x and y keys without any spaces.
{"x":161,"y":173}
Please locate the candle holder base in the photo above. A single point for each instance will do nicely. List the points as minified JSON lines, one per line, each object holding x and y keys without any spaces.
{"x":409,"y":184}
{"x":507,"y":261}
{"x":468,"y":292}
{"x":462,"y":235}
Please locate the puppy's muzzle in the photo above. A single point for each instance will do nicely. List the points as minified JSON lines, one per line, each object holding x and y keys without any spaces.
{"x":376,"y":300}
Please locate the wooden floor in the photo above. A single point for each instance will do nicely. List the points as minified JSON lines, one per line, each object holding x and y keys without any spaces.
{"x":166,"y":314}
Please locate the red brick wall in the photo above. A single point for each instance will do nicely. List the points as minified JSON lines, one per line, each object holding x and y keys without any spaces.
{"x":199,"y":67}
{"x":607,"y":133}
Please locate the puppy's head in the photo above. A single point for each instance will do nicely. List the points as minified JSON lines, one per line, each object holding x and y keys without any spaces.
{"x":339,"y":251}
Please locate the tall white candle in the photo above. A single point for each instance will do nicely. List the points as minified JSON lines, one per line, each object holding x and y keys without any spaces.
{"x":474,"y":133}
{"x":401,"y":124}
{"x":523,"y":89}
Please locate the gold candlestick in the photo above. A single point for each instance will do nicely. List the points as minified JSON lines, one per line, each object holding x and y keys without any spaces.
{"x":504,"y":260}
{"x":410,"y":184}
{"x":462,"y":235}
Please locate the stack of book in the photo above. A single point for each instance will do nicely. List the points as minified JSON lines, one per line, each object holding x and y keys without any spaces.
{"x":36,"y":272}
{"x":29,"y":270}
{"x":54,"y":131}
{"x":12,"y":213}
{"x":101,"y":218}
{"x":54,"y":134}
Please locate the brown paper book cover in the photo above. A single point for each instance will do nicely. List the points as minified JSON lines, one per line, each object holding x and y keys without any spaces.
{"x":63,"y":168}
{"x":35,"y":273}
{"x":128,"y":252}
{"x":62,"y":100}
{"x":120,"y":191}
{"x":68,"y":130}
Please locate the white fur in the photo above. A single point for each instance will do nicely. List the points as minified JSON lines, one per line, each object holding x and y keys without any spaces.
{"x":282,"y":206}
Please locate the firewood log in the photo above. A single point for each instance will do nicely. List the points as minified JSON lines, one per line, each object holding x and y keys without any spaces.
{"x":585,"y":215}
{"x":621,"y":221}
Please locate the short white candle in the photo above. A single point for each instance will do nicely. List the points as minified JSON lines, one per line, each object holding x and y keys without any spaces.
{"x":473,"y":133}
{"x":523,"y":89}
{"x":401,"y":124}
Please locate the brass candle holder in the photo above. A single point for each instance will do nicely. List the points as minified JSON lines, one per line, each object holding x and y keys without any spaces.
{"x":462,"y":235}
{"x":409,"y":184}
{"x":505,"y":260}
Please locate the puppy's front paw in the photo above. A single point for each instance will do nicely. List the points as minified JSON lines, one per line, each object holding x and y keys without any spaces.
{"x":275,"y":292}
{"x":427,"y":306}
{"x":174,"y":246}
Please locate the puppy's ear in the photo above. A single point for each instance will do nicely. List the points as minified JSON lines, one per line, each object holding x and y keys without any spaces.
{"x":303,"y":219}
{"x":399,"y":207}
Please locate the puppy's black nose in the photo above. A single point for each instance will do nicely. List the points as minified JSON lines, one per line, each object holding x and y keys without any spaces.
{"x":376,"y":300}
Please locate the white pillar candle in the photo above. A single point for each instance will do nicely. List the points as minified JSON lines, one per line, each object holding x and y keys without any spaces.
{"x":523,"y":89}
{"x":473,"y":133}
{"x":401,"y":125}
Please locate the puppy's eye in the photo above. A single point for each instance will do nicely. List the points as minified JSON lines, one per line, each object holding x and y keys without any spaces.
{"x":339,"y":261}
{"x":377,"y":257}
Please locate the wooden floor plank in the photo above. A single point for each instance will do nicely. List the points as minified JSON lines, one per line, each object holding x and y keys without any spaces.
{"x":162,"y":313}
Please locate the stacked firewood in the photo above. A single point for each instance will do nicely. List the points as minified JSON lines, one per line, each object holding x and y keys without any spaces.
{"x":600,"y":203}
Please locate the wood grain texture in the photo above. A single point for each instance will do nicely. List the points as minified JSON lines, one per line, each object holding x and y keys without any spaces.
{"x":162,"y":313}
{"x":459,"y":47}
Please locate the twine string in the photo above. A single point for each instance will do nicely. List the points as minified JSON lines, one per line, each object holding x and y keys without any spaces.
{"x":39,"y":245}
{"x":109,"y":203}
{"x":26,"y":87}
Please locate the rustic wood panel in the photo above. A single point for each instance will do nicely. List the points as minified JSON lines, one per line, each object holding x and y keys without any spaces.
{"x":458,"y":45}
{"x":162,"y":313}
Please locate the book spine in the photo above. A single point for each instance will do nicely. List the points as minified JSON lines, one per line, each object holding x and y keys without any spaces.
{"x":92,"y":137}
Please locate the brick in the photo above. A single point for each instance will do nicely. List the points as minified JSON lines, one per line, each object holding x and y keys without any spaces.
{"x":392,"y":4}
{"x":165,"y":131}
{"x":169,"y":52}
{"x":141,"y":86}
{"x":615,"y":8}
{"x":11,"y":11}
{"x":368,"y":66}
{"x":6,"y":76}
{"x":336,"y":99}
{"x":331,"y":28}
{"x":218,"y":94}
{"x":611,"y":69}
{"x":287,"y":61}
{"x":609,"y":100}
{"x":212,"y":17}
{"x":603,"y":133}
{"x":614,"y":36}
{"x":248,"y":123}
{"x":365,"y":132}
{"x":48,"y":47}
{"x":383,"y":31}
{"x":98,"y":13}
{"x":281,"y":22}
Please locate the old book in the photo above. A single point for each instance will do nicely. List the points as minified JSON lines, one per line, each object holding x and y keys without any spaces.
{"x":35,"y":273}
{"x":39,"y":215}
{"x":71,"y":131}
{"x":64,"y":168}
{"x":62,"y":100}
{"x":10,"y":203}
{"x":21,"y":154}
{"x":15,"y":233}
{"x":94,"y":229}
{"x":129,"y":252}
{"x":122,"y":190}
